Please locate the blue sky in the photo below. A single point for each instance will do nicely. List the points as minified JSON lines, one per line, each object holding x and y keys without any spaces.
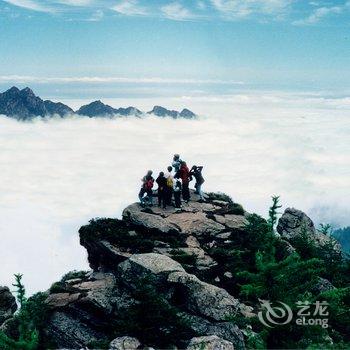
{"x":98,"y":47}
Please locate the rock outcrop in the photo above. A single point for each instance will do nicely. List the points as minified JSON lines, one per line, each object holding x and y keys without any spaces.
{"x":8,"y":304}
{"x":160,"y":279}
{"x":295,"y":224}
{"x":157,"y":251}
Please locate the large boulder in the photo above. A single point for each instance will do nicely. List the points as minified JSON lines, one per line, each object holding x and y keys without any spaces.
{"x":144,"y":266}
{"x":203,"y":298}
{"x":232,"y":221}
{"x":68,"y":331}
{"x":211,"y":342}
{"x":225,"y":330}
{"x":124,"y":343}
{"x":147,"y":219}
{"x":197,"y":224}
{"x":193,"y":220}
{"x":8,"y":304}
{"x":294,"y":223}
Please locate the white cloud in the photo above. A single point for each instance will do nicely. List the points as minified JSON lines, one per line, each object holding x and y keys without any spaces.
{"x":243,"y":8}
{"x":31,"y":5}
{"x":130,"y":8}
{"x":177,"y":12}
{"x":318,"y":14}
{"x":75,"y":2}
{"x":96,"y":16}
{"x":13,"y":79}
{"x":56,"y":175}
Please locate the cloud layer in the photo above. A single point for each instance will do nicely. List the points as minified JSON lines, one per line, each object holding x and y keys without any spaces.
{"x":58,"y":174}
{"x":298,"y":13}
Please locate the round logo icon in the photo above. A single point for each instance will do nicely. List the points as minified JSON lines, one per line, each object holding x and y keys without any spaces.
{"x":271,"y":316}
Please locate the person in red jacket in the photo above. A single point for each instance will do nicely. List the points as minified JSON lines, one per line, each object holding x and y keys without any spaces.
{"x":147,"y":185}
{"x":184,"y":175}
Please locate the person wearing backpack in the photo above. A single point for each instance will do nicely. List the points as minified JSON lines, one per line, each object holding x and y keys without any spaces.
{"x":196,"y":171}
{"x":170,"y":185}
{"x":177,"y":195}
{"x":147,"y":185}
{"x":176,"y":163}
{"x":162,"y":190}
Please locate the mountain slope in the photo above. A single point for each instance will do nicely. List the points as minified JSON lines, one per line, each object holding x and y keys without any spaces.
{"x":99,"y":109}
{"x":24,"y":104}
{"x":163,"y":112}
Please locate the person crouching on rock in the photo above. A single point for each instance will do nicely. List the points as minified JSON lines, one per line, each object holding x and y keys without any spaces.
{"x":147,"y":185}
{"x":184,"y":175}
{"x":169,"y":189}
{"x":196,"y":171}
{"x":162,"y":190}
{"x":177,"y":195}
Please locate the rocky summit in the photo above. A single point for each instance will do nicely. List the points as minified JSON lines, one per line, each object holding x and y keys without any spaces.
{"x":161,"y":279}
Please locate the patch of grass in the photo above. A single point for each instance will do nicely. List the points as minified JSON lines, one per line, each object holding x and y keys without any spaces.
{"x":230,"y":208}
{"x":183,"y":257}
{"x":119,"y":233}
{"x":73,"y":275}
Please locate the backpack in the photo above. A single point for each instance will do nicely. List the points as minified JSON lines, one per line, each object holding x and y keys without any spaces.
{"x":149,"y":184}
{"x":170,"y":182}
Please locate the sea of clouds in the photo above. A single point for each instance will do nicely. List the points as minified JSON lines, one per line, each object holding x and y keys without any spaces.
{"x":57,"y":174}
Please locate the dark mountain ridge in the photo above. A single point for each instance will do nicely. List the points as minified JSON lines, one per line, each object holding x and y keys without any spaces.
{"x":25,"y":105}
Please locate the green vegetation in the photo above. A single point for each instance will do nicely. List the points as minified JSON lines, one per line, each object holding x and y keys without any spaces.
{"x":153,"y":320}
{"x":27,"y":322}
{"x":230,"y":208}
{"x":183,"y":257}
{"x":343,"y":237}
{"x":119,"y":233}
{"x":259,"y":273}
{"x":273,"y":212}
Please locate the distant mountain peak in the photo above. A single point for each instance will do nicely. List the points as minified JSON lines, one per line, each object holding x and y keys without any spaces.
{"x":160,"y":111}
{"x":24,"y":104}
{"x":95,"y":109}
{"x":27,"y":91}
{"x":13,"y":89}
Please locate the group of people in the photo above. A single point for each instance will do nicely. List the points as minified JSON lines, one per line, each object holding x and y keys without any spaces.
{"x":172,"y":185}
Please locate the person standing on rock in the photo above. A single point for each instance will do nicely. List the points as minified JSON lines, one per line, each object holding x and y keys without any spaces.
{"x":184,"y":175}
{"x":162,"y":190}
{"x":177,"y":195}
{"x":147,"y":185}
{"x":170,"y":185}
{"x":176,"y":163}
{"x":196,"y":172}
